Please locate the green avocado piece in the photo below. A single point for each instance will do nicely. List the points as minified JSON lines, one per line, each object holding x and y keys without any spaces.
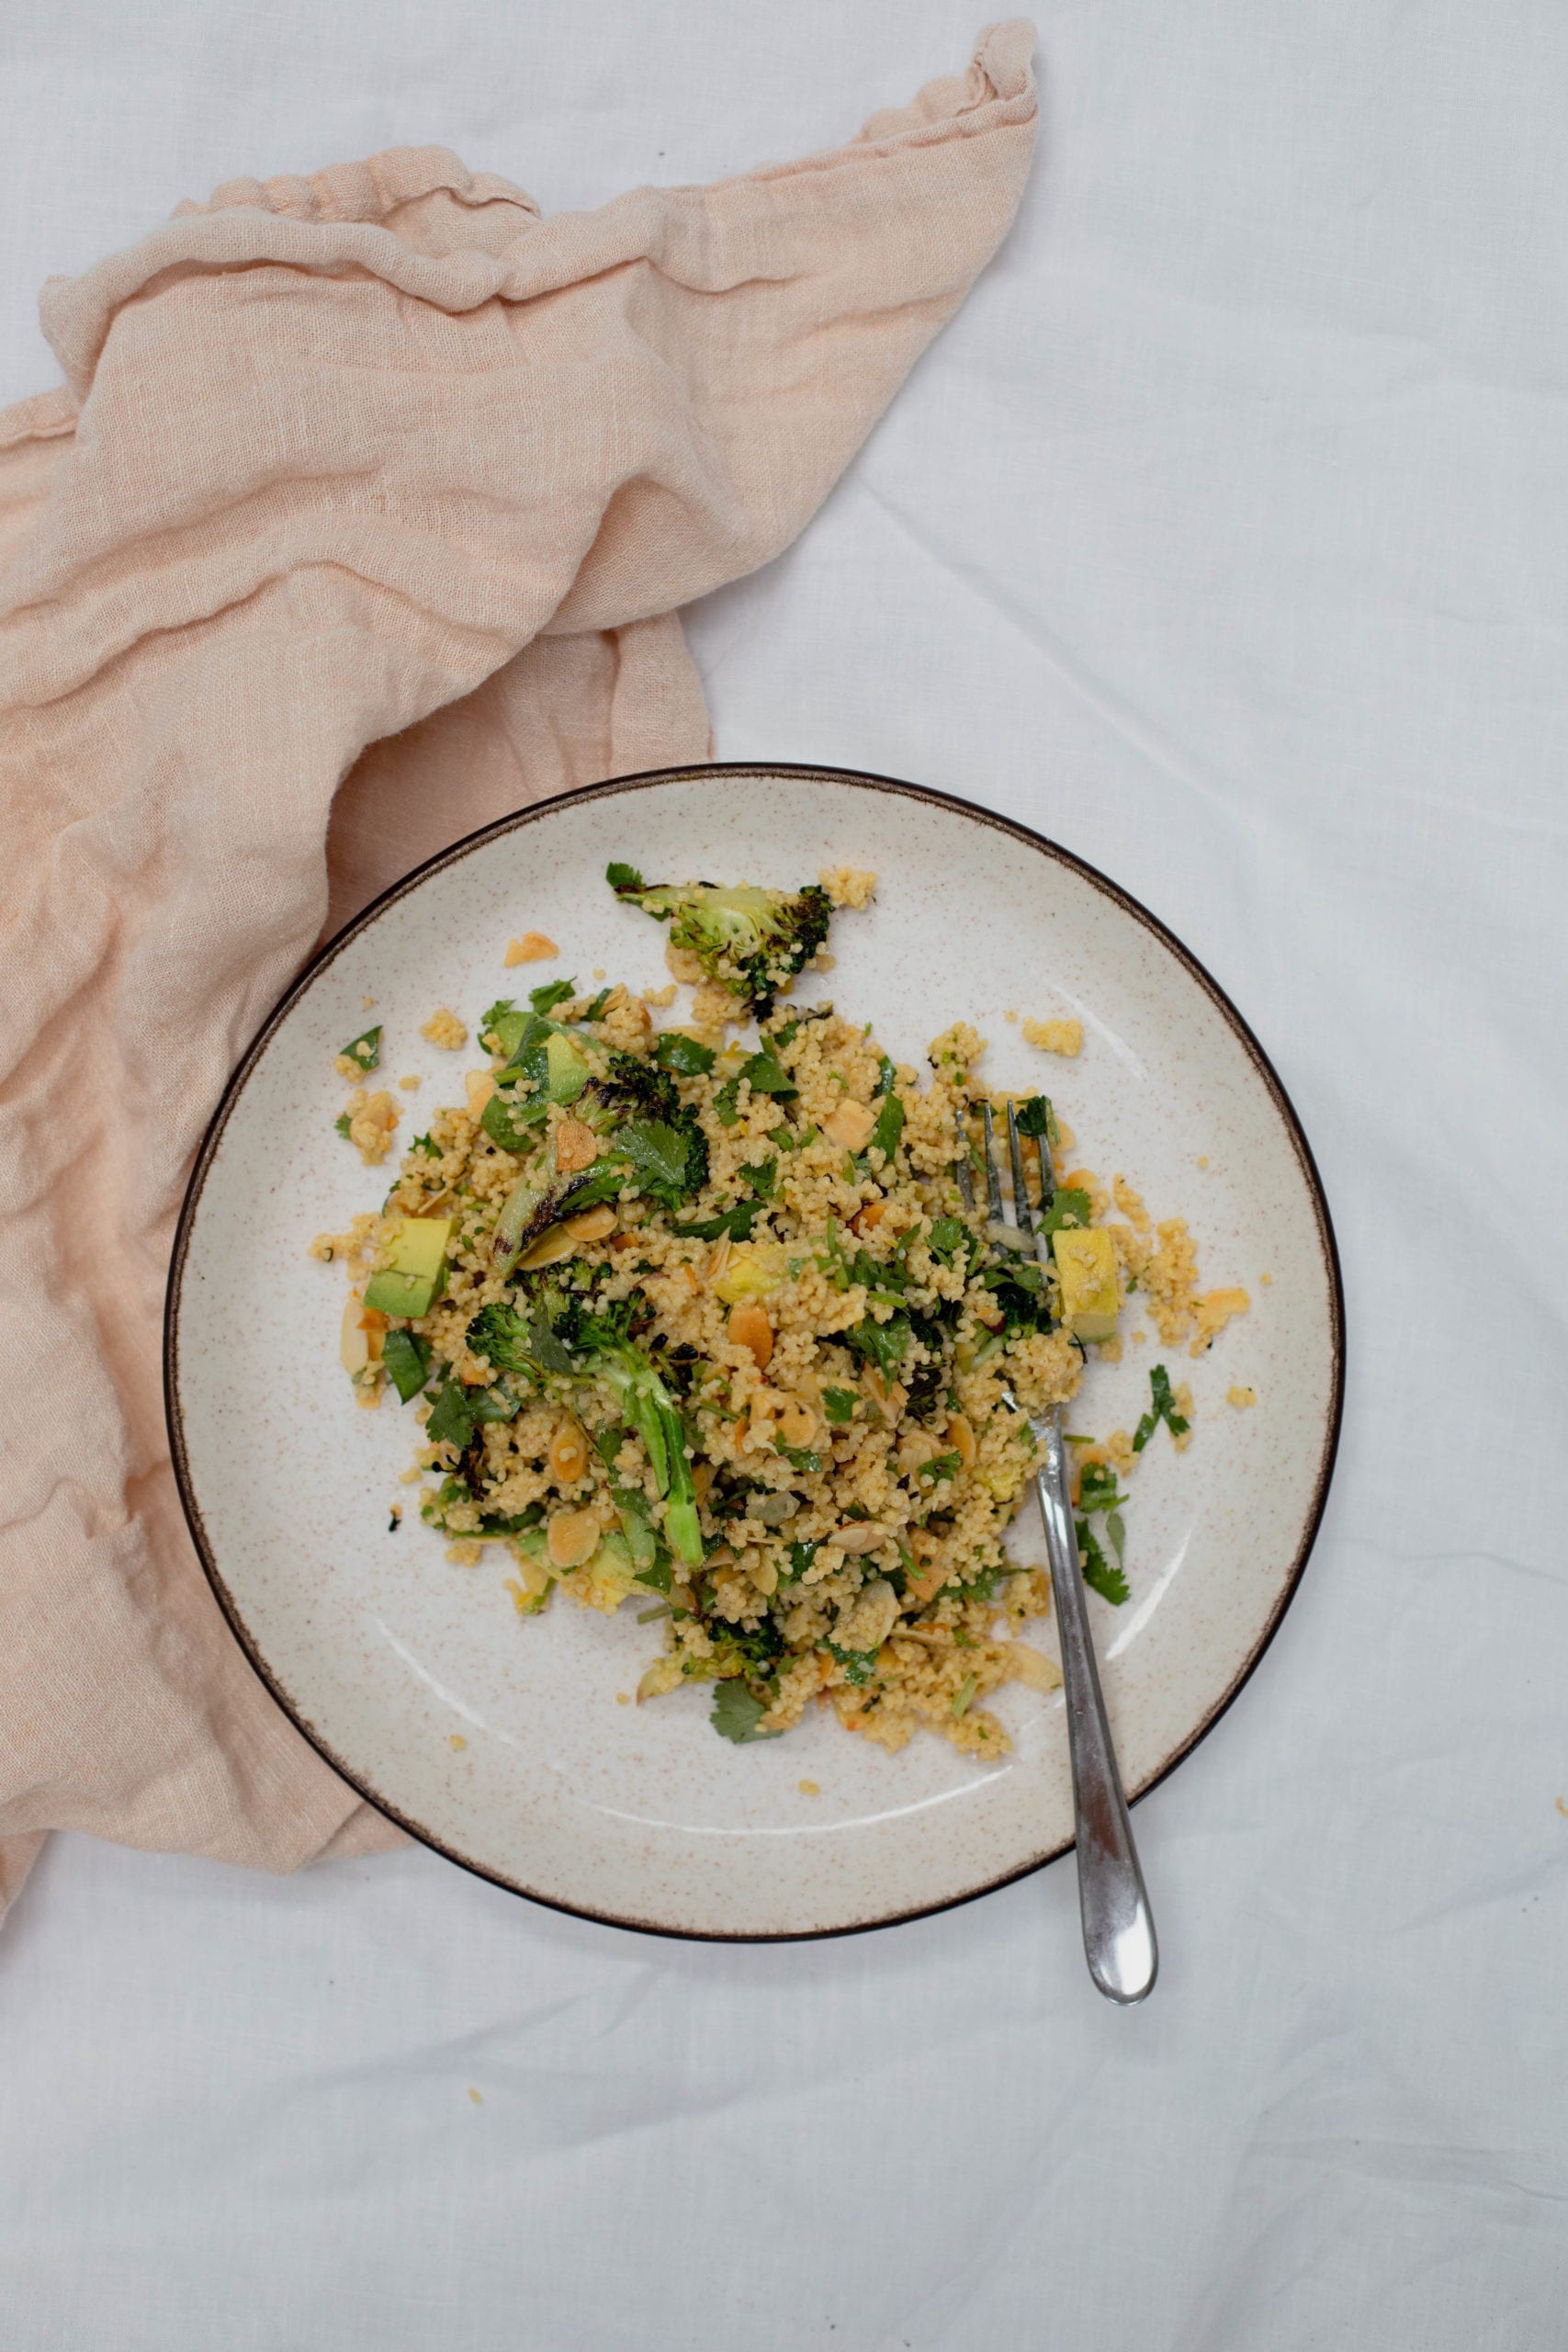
{"x":410,"y":1283}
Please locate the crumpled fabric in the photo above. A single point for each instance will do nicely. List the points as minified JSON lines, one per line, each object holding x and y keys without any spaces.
{"x":365,"y":515}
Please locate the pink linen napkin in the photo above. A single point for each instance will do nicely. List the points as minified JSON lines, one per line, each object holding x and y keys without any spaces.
{"x":365,"y":517}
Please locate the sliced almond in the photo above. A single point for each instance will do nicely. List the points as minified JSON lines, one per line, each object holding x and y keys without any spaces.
{"x":552,"y":1245}
{"x":574,"y":1537}
{"x":859,"y":1539}
{"x":576,"y":1146}
{"x":592,"y":1225}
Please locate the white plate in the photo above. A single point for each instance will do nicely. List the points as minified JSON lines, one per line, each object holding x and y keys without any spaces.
{"x":381,"y":1651}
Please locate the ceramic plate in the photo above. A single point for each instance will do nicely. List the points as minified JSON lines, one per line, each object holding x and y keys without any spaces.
{"x":384,"y":1655}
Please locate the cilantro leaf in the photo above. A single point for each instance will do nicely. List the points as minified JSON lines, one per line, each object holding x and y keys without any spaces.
{"x":800,"y":1457}
{"x":945,"y":1465}
{"x":737,"y":1711}
{"x":545,"y":999}
{"x":737,"y":1222}
{"x":667,"y":1167}
{"x":1164,"y":1409}
{"x":948,"y":1234}
{"x":675,"y":1051}
{"x":838,"y":1404}
{"x":882,"y":1344}
{"x":1036,"y":1117}
{"x":1065,"y":1205}
{"x":1100,"y":1574}
{"x":341,"y":1123}
{"x":767,"y":1075}
{"x":595,"y":1010}
{"x":623,"y":878}
{"x":726,"y":1104}
{"x":859,"y":1665}
{"x":366,"y":1050}
{"x":762,"y":1178}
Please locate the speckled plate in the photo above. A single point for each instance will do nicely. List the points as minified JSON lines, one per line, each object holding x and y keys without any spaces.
{"x":501,"y":1741}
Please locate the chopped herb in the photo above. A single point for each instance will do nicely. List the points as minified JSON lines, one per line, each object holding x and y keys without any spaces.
{"x":1096,"y":1487}
{"x":945,"y":1465}
{"x":962,"y":1696}
{"x":683,"y":1054}
{"x":767,"y":1075}
{"x":423,"y":1144}
{"x":762,"y":1177}
{"x":670,"y":1163}
{"x":1068,"y":1206}
{"x":801,"y":1556}
{"x":365,"y":1050}
{"x":787,"y":1035}
{"x":623,"y":878}
{"x":736,"y":1222}
{"x":341,"y":1123}
{"x":1036,"y":1117}
{"x":726,"y":1102}
{"x":948,"y":1234}
{"x":737,"y":1711}
{"x":1102,"y":1576}
{"x":407,"y":1359}
{"x":647,"y":1616}
{"x":596,"y":1009}
{"x":800,"y":1457}
{"x":838,"y":1404}
{"x":545,"y":999}
{"x":1164,"y":1409}
{"x":889,"y":1126}
{"x":882,"y":1344}
{"x":859,"y":1665}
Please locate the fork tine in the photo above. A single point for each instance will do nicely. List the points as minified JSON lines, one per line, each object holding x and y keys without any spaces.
{"x":961,"y":1165}
{"x":992,"y":1178}
{"x":1020,"y":1182}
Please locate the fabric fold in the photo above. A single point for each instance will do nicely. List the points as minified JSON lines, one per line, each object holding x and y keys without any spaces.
{"x":366,"y":515}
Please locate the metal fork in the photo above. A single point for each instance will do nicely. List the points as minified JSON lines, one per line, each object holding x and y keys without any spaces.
{"x":1118,"y":1927}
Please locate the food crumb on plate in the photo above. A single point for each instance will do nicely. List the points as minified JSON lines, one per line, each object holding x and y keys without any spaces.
{"x":1240,"y":1396}
{"x":408,"y":1084}
{"x":534,"y":947}
{"x":1212,"y":1312}
{"x":457,"y":1740}
{"x":623,"y":1698}
{"x":477,"y":2097}
{"x":444,"y":1029}
{"x":1265,"y":1280}
{"x":848,"y":885}
{"x":367,"y":1004}
{"x":1064,"y":1037}
{"x":808,"y":1787}
{"x":1011,"y":1013}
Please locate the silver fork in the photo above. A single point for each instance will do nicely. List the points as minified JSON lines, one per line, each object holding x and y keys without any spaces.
{"x":1118,"y":1927}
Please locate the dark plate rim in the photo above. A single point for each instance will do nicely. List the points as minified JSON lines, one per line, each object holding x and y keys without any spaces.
{"x":647,"y":780}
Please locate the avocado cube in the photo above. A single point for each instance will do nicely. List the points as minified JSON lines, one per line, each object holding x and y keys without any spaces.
{"x":565,"y":1071}
{"x":410,"y":1283}
{"x":1086,"y":1268}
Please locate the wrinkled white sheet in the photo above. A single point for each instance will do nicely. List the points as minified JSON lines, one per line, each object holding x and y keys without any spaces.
{"x":1221,"y":538}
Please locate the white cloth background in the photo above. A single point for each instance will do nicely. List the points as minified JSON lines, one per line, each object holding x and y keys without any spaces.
{"x":1222,"y":536}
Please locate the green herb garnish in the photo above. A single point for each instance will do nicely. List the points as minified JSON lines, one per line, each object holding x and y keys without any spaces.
{"x":838,"y":1404}
{"x":1164,"y":1409}
{"x":366,"y":1050}
{"x":737,"y":1711}
{"x":683,"y":1054}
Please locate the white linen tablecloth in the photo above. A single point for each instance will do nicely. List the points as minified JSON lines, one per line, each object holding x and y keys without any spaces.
{"x":1221,"y":538}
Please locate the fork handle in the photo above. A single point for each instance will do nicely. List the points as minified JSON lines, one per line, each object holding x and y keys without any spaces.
{"x":1118,"y":1928}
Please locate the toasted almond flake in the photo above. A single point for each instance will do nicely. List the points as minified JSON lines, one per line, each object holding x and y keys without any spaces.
{"x":534,"y":947}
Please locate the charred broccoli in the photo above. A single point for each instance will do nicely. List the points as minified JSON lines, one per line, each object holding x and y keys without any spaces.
{"x":750,"y":941}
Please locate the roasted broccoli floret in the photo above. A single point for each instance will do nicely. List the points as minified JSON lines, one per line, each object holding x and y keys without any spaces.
{"x":750,"y":941}
{"x":631,"y":1089}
